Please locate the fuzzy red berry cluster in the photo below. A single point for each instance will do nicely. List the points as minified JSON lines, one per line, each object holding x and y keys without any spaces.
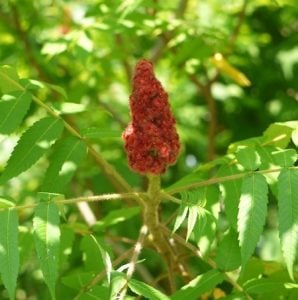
{"x":151,"y":139}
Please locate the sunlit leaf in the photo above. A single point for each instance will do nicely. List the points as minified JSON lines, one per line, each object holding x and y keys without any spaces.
{"x":191,"y":220}
{"x":13,"y":108}
{"x":252,"y":213}
{"x":66,"y":108}
{"x":278,"y":135}
{"x":249,"y":158}
{"x":9,"y":80}
{"x":118,"y":282}
{"x":285,"y":158}
{"x":182,"y":213}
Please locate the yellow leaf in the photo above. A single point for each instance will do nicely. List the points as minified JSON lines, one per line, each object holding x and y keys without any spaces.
{"x":223,"y":65}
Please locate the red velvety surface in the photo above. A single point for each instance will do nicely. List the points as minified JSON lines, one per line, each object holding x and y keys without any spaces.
{"x":151,"y":139}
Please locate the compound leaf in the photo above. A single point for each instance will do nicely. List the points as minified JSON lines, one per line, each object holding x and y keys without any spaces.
{"x":31,"y":146}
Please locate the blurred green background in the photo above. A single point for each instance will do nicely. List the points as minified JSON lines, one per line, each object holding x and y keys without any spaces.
{"x":89,"y":48}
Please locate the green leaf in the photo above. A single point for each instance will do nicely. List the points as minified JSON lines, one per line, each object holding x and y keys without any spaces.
{"x":47,"y":238}
{"x":288,"y":215}
{"x":228,"y":256}
{"x":33,"y":84}
{"x":185,"y":181}
{"x":295,"y":137}
{"x":253,"y":269}
{"x":285,"y":158}
{"x":9,"y":80}
{"x":182,"y":212}
{"x":231,"y":191}
{"x":9,"y":251}
{"x":116,"y":216}
{"x":198,"y":286}
{"x":5,"y":203}
{"x":247,"y":143}
{"x":191,"y":220}
{"x":78,"y":280}
{"x":53,"y":48}
{"x":67,"y":154}
{"x":145,"y":290}
{"x":118,"y":282}
{"x":97,"y":292}
{"x":98,"y":133}
{"x":252,"y":213}
{"x":92,"y":261}
{"x":278,"y":135}
{"x":263,"y":285}
{"x":31,"y":146}
{"x":13,"y":108}
{"x":248,"y":158}
{"x":67,"y":108}
{"x":105,"y":258}
{"x":204,"y":231}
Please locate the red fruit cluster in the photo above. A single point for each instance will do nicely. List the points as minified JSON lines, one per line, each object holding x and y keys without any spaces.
{"x":151,"y":139}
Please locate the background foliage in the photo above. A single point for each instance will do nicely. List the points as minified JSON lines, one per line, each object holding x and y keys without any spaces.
{"x":74,"y":60}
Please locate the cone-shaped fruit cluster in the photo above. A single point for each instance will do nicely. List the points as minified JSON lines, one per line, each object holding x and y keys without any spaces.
{"x":151,"y":139}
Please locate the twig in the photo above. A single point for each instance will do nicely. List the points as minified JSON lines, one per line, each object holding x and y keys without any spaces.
{"x":105,"y":197}
{"x":209,"y":261}
{"x":134,"y":258}
{"x":166,"y":36}
{"x":102,"y":274}
{"x":86,"y":213}
{"x":24,"y":39}
{"x":219,"y":180}
{"x":125,"y":63}
{"x":212,"y":109}
{"x":113,"y":112}
{"x":237,"y":28}
{"x":205,"y":89}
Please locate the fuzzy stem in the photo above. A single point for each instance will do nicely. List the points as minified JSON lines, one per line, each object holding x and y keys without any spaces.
{"x":151,"y":220}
